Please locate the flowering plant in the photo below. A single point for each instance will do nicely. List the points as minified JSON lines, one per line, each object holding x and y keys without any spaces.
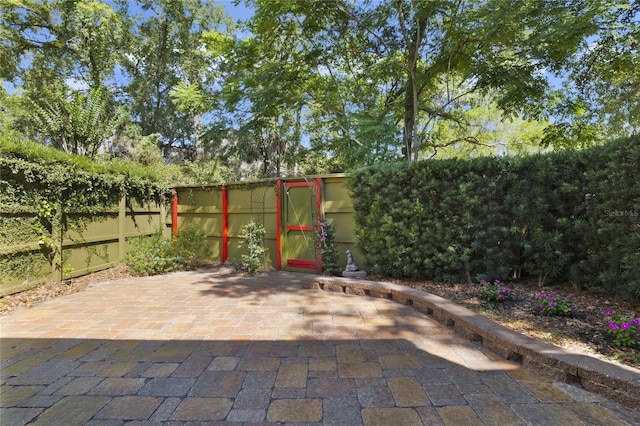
{"x":553,"y":304}
{"x":494,"y":291}
{"x":626,"y":332}
{"x":325,"y":235}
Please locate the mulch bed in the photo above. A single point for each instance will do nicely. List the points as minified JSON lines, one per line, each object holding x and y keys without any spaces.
{"x":585,"y":331}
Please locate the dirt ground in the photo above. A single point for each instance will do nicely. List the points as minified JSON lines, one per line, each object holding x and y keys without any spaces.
{"x":584,"y":332}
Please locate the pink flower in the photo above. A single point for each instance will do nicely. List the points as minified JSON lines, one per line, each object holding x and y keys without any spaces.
{"x":608,"y":313}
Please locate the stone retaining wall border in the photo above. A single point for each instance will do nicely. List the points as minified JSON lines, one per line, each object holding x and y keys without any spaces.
{"x":617,"y":382}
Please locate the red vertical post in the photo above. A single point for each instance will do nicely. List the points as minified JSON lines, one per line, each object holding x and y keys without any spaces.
{"x":225,"y":224}
{"x":319,"y":215}
{"x":278,"y":225}
{"x":174,"y":213}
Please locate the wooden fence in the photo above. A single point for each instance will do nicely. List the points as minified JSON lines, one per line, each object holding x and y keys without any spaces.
{"x":289,"y":209}
{"x":87,"y":243}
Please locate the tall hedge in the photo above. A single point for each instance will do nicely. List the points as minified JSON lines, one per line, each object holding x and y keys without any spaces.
{"x":30,"y":172}
{"x":571,"y":216}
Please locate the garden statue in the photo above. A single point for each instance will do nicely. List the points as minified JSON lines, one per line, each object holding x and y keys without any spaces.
{"x":351,"y":267}
{"x":352,"y":270}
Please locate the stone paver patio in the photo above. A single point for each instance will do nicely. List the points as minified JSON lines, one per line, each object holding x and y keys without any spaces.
{"x":208,"y":347}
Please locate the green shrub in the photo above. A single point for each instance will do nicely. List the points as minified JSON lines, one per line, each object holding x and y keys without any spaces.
{"x":325,"y":235}
{"x":189,"y":242}
{"x":625,"y":332}
{"x":252,"y":240}
{"x":494,"y":291}
{"x":571,"y":216}
{"x":153,"y":255}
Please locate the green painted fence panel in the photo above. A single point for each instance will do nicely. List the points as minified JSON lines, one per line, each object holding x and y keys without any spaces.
{"x":338,"y":211}
{"x":87,"y":243}
{"x":203,"y":207}
{"x":99,"y":241}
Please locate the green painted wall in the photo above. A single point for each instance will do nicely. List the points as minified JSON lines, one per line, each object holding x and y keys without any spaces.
{"x":92,"y":243}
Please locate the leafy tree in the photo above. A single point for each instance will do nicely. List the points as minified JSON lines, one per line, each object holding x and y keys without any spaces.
{"x":8,"y":112}
{"x":267,"y":119}
{"x":600,"y":96}
{"x":72,"y":41}
{"x":479,"y":128}
{"x":325,"y":85}
{"x":393,"y":70}
{"x":129,"y":144}
{"x":169,"y":47}
{"x":61,"y":57}
{"x":79,"y":125}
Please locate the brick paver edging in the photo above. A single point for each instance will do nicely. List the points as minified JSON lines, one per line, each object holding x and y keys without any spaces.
{"x":618,"y":382}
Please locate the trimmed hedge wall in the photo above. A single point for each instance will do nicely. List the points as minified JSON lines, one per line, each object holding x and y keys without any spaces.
{"x":572,"y":216}
{"x":31,"y":172}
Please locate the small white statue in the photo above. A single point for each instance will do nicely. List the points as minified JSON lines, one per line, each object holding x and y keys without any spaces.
{"x":351,"y":267}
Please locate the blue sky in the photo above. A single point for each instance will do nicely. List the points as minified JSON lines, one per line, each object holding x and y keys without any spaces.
{"x":239,"y":12}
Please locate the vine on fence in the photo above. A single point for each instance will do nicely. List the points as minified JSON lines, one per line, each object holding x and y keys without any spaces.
{"x":325,"y":235}
{"x":252,"y":240}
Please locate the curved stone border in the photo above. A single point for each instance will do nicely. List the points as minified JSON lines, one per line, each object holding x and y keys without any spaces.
{"x":617,"y":382}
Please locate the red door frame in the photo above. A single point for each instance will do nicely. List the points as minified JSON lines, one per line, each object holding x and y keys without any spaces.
{"x":225,"y":225}
{"x":278,"y":226}
{"x":297,"y":263}
{"x":174,"y":213}
{"x":294,"y":263}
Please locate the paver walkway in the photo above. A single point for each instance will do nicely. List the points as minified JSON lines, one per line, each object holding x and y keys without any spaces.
{"x":206,"y":347}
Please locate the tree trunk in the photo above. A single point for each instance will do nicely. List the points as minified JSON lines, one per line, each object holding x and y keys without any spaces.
{"x":408,"y":118}
{"x":411,"y":144}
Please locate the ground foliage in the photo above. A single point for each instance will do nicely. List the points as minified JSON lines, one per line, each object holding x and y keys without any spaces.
{"x":326,"y":239}
{"x":252,"y":242}
{"x":154,"y":254}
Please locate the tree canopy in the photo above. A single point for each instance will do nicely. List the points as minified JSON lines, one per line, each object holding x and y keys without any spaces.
{"x":309,"y":86}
